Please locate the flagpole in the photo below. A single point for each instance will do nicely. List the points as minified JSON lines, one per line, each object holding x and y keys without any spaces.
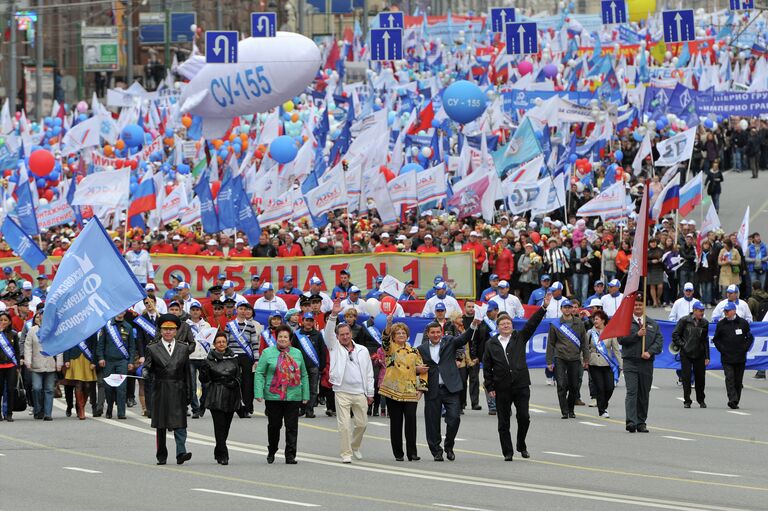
{"x":644,"y":311}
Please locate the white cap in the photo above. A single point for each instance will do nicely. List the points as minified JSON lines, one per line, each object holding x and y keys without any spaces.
{"x":547,"y":219}
{"x":414,"y":230}
{"x":474,"y":233}
{"x":428,"y":236}
{"x":239,"y":240}
{"x":323,"y":239}
{"x":688,"y":286}
{"x":211,"y":243}
{"x":733,"y":288}
{"x":150,"y":287}
{"x":354,"y":289}
{"x":401,"y":237}
{"x":228,"y":284}
{"x":176,"y":237}
{"x":385,"y":235}
{"x":27,"y":285}
{"x":595,"y":302}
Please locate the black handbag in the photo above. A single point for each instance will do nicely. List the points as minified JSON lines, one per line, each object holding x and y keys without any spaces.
{"x":20,"y":396}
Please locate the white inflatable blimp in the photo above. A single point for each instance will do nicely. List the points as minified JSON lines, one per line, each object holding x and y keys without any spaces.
{"x":269,"y":72}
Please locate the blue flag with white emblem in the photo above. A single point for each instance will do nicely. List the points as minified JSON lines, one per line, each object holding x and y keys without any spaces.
{"x":25,"y":205}
{"x":22,"y":244}
{"x":93,"y":284}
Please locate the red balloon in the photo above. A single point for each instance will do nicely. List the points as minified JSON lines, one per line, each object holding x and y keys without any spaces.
{"x":41,"y":162}
{"x":388,"y":305}
{"x":7,"y":173}
{"x":54,"y":183}
{"x":168,"y":189}
{"x":215,"y":185}
{"x":134,"y":164}
{"x":48,"y":195}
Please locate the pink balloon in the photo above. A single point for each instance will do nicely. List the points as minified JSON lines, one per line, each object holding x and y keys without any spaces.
{"x":82,"y":107}
{"x":524,"y":67}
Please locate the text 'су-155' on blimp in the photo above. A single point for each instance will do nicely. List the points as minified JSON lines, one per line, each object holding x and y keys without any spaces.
{"x":269,"y":72}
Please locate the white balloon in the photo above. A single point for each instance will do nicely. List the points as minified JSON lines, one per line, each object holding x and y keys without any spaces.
{"x":43,"y":202}
{"x":374,"y":306}
{"x":426,"y":151}
{"x":743,"y":124}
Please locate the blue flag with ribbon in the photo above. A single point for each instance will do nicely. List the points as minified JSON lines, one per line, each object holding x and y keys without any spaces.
{"x":25,"y":206}
{"x":208,"y":216}
{"x":22,"y":244}
{"x":93,"y":284}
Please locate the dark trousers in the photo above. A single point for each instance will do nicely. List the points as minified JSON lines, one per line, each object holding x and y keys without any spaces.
{"x":179,"y":436}
{"x":313,"y":374}
{"x":402,"y":412}
{"x":246,"y":384}
{"x":96,"y":393}
{"x":520,"y":397}
{"x":567,"y":378}
{"x":734,"y":376}
{"x":330,"y":401}
{"x":7,"y":387}
{"x":699,"y":372}
{"x":116,"y":393}
{"x":602,"y":378}
{"x":638,"y":376}
{"x":221,"y":423}
{"x":279,"y":413}
{"x":432,"y":412}
{"x":473,"y":385}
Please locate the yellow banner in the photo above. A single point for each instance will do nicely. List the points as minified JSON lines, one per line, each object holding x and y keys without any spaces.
{"x":457,"y":268}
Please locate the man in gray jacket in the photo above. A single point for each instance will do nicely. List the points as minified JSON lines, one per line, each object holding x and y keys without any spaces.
{"x":567,"y":353}
{"x":638,"y":350}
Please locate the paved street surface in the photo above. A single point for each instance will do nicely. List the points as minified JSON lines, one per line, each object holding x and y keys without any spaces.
{"x":712,"y":459}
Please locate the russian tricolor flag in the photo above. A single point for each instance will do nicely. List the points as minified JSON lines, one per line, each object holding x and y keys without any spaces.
{"x":144,"y":199}
{"x":667,"y":201}
{"x":690,"y":195}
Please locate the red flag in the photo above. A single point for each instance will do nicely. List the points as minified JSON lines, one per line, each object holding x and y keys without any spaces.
{"x":425,"y":120}
{"x":621,"y":322}
{"x":334,"y":54}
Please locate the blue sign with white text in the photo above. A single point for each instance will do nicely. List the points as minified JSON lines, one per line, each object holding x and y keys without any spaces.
{"x":500,"y":16}
{"x":679,"y":26}
{"x":391,"y":19}
{"x":522,"y":38}
{"x":742,"y":5}
{"x":386,"y":44}
{"x":614,"y":11}
{"x":263,"y":24}
{"x":221,"y":47}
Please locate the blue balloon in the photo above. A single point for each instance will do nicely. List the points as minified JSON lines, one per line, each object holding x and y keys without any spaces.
{"x":463,"y":101}
{"x":40,"y":182}
{"x":637,"y":136}
{"x":223,"y":153}
{"x":709,"y":124}
{"x":411,"y":167}
{"x":56,"y":131}
{"x":132,"y":135}
{"x":283,"y":149}
{"x":168,"y":132}
{"x":183,"y":168}
{"x":435,"y":123}
{"x":572,"y":158}
{"x":133,"y":187}
{"x":380,"y":321}
{"x":619,"y":155}
{"x":53,"y":176}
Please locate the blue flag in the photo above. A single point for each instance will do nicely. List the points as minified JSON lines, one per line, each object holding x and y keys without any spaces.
{"x":71,"y":197}
{"x":227,"y":201}
{"x":93,"y":284}
{"x":246,"y":218}
{"x":22,"y":244}
{"x":522,"y":147}
{"x":25,"y":206}
{"x":208,"y":216}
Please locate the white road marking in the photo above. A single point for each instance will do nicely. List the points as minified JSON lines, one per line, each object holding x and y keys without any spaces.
{"x":372,"y":423}
{"x":654,"y":387}
{"x":738,"y":413}
{"x":564,"y":454}
{"x":464,"y":508}
{"x":683,"y":439}
{"x":713,"y":473}
{"x":256,"y":497}
{"x":536,"y":410}
{"x":460,"y":439}
{"x":1,"y":454}
{"x":593,"y":424}
{"x":78,"y":469}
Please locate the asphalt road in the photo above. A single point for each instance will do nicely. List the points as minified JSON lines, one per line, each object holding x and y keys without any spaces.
{"x":709,"y":459}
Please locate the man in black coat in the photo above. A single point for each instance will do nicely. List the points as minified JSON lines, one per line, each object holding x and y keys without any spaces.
{"x":444,"y":386}
{"x":692,"y":340}
{"x":506,"y":376}
{"x":733,"y":339}
{"x":167,"y":362}
{"x":310,"y":342}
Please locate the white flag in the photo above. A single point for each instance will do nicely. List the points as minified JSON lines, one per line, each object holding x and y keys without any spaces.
{"x":431,"y":184}
{"x":108,"y":188}
{"x":676,"y":149}
{"x":642,"y":153}
{"x":743,"y":234}
{"x":711,"y":221}
{"x":85,"y":134}
{"x":174,"y":203}
{"x":392,"y":286}
{"x":326,"y":197}
{"x":402,"y":189}
{"x":612,"y":200}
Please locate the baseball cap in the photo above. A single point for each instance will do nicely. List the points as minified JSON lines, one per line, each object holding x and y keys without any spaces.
{"x":545,"y":277}
{"x":385,"y":235}
{"x":176,"y":237}
{"x":150,"y":287}
{"x":440,"y":306}
{"x":275,"y":313}
{"x":614,"y":283}
{"x":183,"y":285}
{"x":228,"y":284}
{"x":287,"y":278}
{"x":177,"y":276}
{"x":473,"y":233}
{"x":239,"y":240}
{"x":698,"y":306}
{"x":211,"y":243}
{"x":344,"y":272}
{"x":599,"y":283}
{"x":42,"y":276}
{"x":555,"y":286}
{"x":175,"y":303}
{"x":379,"y":279}
{"x":428,"y":236}
{"x":493,"y":277}
{"x":267,"y":286}
{"x":354,"y":289}
{"x":492,"y":306}
{"x":438,"y":278}
{"x":688,"y":286}
{"x":504,"y":284}
{"x":323,"y":239}
{"x":730,"y":306}
{"x":595,"y":303}
{"x":221,"y":276}
{"x":255,"y":276}
{"x":733,"y":288}
{"x":244,"y":303}
{"x":195,"y":303}
{"x":7,"y":270}
{"x":566,"y":303}
{"x":315,"y":281}
{"x":309,"y":315}
{"x":27,"y":285}
{"x":440,"y":285}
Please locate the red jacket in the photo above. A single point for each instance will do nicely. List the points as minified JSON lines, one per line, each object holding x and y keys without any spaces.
{"x":479,"y":251}
{"x":503,"y":263}
{"x":293,"y":251}
{"x":233,"y":252}
{"x":189,"y":248}
{"x":162,"y":248}
{"x":423,"y":249}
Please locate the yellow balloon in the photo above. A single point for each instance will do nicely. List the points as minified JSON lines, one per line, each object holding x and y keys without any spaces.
{"x":288,"y":106}
{"x":639,"y":9}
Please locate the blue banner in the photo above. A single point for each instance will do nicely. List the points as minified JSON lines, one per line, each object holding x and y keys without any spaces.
{"x":757,"y":358}
{"x":25,"y":206}
{"x":22,"y":244}
{"x":208,"y":215}
{"x":745,"y":104}
{"x":93,"y":284}
{"x":518,"y":99}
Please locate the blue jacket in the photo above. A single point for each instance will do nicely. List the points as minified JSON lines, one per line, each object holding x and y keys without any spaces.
{"x":488,"y":294}
{"x":373,"y":293}
{"x":432,"y":292}
{"x":752,"y":255}
{"x":341,"y":291}
{"x":537,"y":297}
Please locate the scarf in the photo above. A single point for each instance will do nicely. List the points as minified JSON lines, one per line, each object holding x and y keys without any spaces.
{"x":286,"y":375}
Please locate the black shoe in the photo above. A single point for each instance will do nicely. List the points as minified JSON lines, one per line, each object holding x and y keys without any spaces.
{"x":477,"y":407}
{"x":321,"y":401}
{"x":290,"y":461}
{"x":223,"y":461}
{"x":270,"y":458}
{"x":108,"y":415}
{"x":329,"y":413}
{"x":9,"y":419}
{"x":702,"y":405}
{"x":571,"y":415}
{"x":375,"y":414}
{"x":631,"y":428}
{"x":642,"y":429}
{"x":38,"y":416}
{"x":202,"y":412}
{"x":491,"y":412}
{"x":309,"y":415}
{"x":69,"y":411}
{"x":183,"y":457}
{"x":96,"y":414}
{"x":525,"y":454}
{"x":508,"y":457}
{"x":413,"y":458}
{"x":732,"y":405}
{"x":686,"y":405}
{"x":161,"y":462}
{"x":398,"y":458}
{"x":47,"y":418}
{"x":195,"y":415}
{"x":130,"y":403}
{"x":438,"y":457}
{"x":450,"y":455}
{"x":564,"y":416}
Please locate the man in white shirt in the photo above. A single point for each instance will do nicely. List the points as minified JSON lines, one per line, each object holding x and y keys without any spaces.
{"x":553,"y":309}
{"x":612,"y":299}
{"x":229,"y":292}
{"x":26,"y":292}
{"x":684,"y":305}
{"x":314,"y":290}
{"x":351,"y":375}
{"x":508,"y":302}
{"x":441,"y":296}
{"x":353,"y":301}
{"x":140,"y":262}
{"x":270,"y":301}
{"x":742,"y":309}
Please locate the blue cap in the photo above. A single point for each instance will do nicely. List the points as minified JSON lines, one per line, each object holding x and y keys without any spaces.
{"x":221,"y":276}
{"x":438,"y":278}
{"x":493,"y":277}
{"x":730,"y":306}
{"x":440,"y":285}
{"x":315,"y":281}
{"x":379,"y":279}
{"x":440,"y":306}
{"x":492,"y":306}
{"x":504,"y":284}
{"x":566,"y":303}
{"x":733,"y":288}
{"x":267,"y":286}
{"x":309,"y":315}
{"x":177,"y":276}
{"x":228,"y":284}
{"x":599,"y":283}
{"x":275,"y":314}
{"x":183,"y":285}
{"x":344,"y":272}
{"x":555,"y":286}
{"x":255,"y":276}
{"x":42,"y":276}
{"x":699,"y":306}
{"x":545,"y":277}
{"x":287,"y":278}
{"x":614,"y":283}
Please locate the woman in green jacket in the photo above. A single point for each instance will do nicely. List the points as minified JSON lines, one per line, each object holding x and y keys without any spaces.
{"x":281,"y":379}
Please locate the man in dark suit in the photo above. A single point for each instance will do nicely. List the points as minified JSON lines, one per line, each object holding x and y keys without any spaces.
{"x":505,"y":372}
{"x":444,"y":385}
{"x":167,"y":362}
